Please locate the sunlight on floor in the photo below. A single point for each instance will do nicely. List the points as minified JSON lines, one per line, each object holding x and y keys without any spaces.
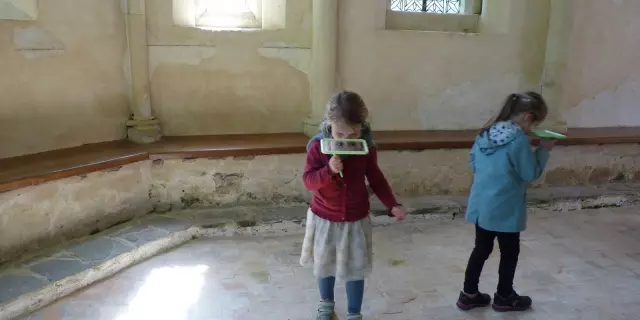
{"x":168,"y":293}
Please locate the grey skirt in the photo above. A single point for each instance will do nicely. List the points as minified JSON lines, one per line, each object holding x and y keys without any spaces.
{"x":338,"y":249}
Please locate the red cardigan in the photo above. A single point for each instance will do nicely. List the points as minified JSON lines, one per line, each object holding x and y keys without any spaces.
{"x":344,"y":199}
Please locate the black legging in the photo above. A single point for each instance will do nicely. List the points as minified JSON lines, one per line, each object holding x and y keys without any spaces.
{"x":509,"y":243}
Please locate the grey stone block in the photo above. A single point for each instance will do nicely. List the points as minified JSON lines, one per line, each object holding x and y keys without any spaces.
{"x":166,"y":223}
{"x":14,"y":285}
{"x":134,"y":228}
{"x":99,"y":250}
{"x":282,"y":213}
{"x":58,"y":269}
{"x":139,"y":238}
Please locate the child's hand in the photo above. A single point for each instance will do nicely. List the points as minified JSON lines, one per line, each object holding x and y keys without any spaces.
{"x":548,"y":144}
{"x":399,"y":212}
{"x":335,"y":164}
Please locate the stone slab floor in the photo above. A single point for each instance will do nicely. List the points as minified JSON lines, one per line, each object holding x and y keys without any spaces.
{"x":575,"y":265}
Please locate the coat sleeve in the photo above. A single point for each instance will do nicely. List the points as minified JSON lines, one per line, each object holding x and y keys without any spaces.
{"x":472,"y":158}
{"x":527,"y":163}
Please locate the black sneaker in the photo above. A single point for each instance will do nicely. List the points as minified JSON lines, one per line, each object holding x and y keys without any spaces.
{"x":513,"y":302}
{"x":467,"y":302}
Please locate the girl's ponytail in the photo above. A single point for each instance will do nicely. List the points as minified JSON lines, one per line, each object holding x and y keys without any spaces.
{"x":507,"y":111}
{"x":518,"y":103}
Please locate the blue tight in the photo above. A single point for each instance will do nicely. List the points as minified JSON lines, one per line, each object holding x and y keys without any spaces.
{"x":355,"y":293}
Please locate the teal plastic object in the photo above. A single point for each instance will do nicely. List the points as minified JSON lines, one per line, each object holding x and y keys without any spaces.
{"x":548,"y":134}
{"x":344,"y":147}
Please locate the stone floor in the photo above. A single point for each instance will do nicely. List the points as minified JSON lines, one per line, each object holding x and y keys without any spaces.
{"x":31,"y":282}
{"x":575,"y":265}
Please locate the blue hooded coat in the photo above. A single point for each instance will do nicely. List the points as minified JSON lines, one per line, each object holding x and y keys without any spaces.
{"x":504,"y":165}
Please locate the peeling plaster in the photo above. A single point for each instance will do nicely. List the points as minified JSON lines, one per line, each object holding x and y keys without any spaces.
{"x":297,"y":58}
{"x":187,"y":55}
{"x":618,"y":107}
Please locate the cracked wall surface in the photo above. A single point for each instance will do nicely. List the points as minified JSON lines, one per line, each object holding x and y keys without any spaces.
{"x":46,"y":214}
{"x":414,"y":80}
{"x":62,"y":77}
{"x":603,"y":68}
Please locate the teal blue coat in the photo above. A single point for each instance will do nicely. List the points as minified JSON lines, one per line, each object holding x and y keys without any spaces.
{"x":504,"y":165}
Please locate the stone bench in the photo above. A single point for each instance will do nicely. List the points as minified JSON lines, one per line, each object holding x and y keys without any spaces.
{"x":53,"y":197}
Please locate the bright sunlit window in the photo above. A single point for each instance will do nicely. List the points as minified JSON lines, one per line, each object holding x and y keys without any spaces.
{"x":228,"y":13}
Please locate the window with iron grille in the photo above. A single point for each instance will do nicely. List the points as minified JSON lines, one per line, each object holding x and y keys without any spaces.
{"x":429,"y":6}
{"x":460,"y":16}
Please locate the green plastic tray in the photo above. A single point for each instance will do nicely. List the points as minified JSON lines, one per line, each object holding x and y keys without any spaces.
{"x":548,"y":134}
{"x":344,"y":146}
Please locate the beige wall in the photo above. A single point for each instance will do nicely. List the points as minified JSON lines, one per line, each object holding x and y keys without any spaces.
{"x":434,"y":80}
{"x":221,"y":82}
{"x":603,"y":65}
{"x":62,"y":77}
{"x":416,"y":80}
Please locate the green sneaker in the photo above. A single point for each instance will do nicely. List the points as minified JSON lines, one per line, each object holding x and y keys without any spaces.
{"x":356,"y":316}
{"x":326,"y":311}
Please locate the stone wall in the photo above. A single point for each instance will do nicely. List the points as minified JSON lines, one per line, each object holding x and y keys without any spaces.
{"x":416,"y":80}
{"x":45,"y":215}
{"x":602,"y":64}
{"x":63,"y":80}
{"x":229,"y":81}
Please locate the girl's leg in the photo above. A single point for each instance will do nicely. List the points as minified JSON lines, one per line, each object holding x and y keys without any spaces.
{"x":480,"y":254}
{"x":326,"y":306}
{"x":470,"y":297}
{"x":506,"y":299}
{"x":355,"y":294}
{"x":326,"y":286}
{"x":509,"y":251}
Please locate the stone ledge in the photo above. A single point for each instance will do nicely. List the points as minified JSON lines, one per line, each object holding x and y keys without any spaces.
{"x":32,"y":283}
{"x":29,"y":170}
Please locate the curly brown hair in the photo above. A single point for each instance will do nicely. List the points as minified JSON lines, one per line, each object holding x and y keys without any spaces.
{"x":346,"y":106}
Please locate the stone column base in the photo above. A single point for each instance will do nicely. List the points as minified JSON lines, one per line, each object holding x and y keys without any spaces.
{"x":144,"y":135}
{"x":144,"y":131}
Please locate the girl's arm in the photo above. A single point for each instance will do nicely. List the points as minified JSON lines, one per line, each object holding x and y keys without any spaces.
{"x":472,"y":158}
{"x":528,"y":164}
{"x":378,"y":182}
{"x":316,"y":170}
